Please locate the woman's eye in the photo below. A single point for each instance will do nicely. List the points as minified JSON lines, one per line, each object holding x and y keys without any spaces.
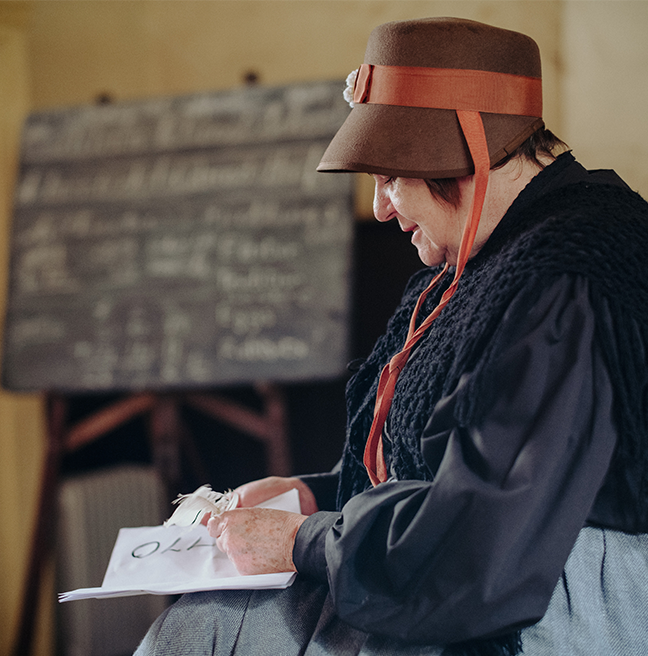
{"x":383,"y":179}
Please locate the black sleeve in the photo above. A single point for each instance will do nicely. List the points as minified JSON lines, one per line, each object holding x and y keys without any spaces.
{"x":308,"y":551}
{"x":324,"y":487}
{"x":479,"y":550}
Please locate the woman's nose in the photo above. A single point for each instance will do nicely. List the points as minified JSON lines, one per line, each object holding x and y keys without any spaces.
{"x":382,"y":207}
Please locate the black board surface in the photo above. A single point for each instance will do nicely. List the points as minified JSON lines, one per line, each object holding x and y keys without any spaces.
{"x":180,"y":242}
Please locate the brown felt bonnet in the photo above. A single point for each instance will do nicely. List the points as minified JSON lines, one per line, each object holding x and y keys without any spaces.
{"x":385,"y":134}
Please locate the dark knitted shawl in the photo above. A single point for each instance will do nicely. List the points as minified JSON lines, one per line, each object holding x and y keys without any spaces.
{"x":598,"y":231}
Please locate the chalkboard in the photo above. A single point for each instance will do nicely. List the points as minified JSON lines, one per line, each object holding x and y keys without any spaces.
{"x":180,"y":242}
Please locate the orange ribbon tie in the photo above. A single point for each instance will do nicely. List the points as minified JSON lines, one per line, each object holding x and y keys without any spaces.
{"x":374,"y":459}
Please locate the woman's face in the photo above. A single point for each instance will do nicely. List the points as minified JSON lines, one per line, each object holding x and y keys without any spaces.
{"x":436,"y":226}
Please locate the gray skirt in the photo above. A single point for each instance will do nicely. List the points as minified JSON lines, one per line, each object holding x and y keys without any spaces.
{"x":599,"y":608}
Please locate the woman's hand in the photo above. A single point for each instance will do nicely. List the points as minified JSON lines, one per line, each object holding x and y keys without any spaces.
{"x":257,"y":540}
{"x":252,"y":494}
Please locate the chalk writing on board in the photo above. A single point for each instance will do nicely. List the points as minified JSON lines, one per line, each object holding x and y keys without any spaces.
{"x":180,"y":242}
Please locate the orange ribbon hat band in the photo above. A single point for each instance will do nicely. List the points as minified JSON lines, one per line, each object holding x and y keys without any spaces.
{"x":449,"y":88}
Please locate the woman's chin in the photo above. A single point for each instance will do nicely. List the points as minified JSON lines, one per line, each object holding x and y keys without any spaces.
{"x":430,"y":259}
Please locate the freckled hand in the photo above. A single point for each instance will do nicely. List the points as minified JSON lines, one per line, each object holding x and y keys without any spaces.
{"x":257,"y":540}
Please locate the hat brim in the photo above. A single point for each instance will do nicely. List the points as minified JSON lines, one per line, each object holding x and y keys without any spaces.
{"x":418,"y":142}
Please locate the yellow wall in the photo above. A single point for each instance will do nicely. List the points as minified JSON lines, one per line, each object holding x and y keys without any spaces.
{"x":605,"y":86}
{"x":141,"y":48}
{"x":21,"y":426}
{"x":66,"y":52}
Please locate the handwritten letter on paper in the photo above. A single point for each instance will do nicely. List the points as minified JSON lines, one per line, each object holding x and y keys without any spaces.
{"x":177,"y":559}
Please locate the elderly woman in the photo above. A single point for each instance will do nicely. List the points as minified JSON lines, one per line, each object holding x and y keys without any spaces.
{"x":491,"y":498}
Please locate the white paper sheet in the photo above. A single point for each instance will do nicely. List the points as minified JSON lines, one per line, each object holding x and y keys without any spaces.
{"x":177,"y":559}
